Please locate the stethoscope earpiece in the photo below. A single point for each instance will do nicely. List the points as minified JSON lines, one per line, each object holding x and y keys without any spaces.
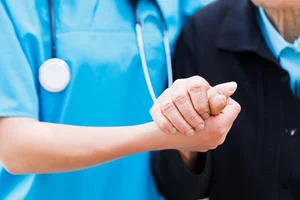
{"x":54,"y":75}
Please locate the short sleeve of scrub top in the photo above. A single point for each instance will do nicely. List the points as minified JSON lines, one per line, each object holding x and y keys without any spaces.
{"x":18,"y":92}
{"x":107,"y":87}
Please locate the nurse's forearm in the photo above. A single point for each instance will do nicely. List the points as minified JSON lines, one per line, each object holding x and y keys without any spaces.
{"x":28,"y":146}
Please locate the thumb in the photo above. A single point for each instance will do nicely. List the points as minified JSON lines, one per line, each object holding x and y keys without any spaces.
{"x":231,"y":111}
{"x":226,"y":89}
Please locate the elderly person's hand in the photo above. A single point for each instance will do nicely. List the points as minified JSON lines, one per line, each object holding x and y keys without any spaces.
{"x":186,"y":113}
{"x":192,"y":106}
{"x":188,"y":103}
{"x":213,"y":135}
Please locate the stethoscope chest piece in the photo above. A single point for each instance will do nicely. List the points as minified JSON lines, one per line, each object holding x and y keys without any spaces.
{"x":54,"y":75}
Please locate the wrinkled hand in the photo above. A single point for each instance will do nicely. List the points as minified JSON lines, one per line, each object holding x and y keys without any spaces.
{"x":192,"y":106}
{"x":215,"y":131}
{"x":188,"y":103}
{"x":213,"y":135}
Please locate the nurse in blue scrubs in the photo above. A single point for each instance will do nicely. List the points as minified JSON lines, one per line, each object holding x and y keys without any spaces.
{"x":54,"y":112}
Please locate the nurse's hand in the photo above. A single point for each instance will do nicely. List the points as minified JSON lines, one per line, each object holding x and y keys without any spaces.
{"x":187,"y":105}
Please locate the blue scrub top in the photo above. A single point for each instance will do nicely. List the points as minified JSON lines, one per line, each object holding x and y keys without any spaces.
{"x":107,"y":88}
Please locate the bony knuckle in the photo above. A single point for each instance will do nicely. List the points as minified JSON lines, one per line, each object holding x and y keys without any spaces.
{"x":196,"y":78}
{"x":164,"y":126}
{"x":167,"y":107}
{"x":178,"y":81}
{"x":199,"y":79}
{"x":192,"y":118}
{"x":184,"y":129}
{"x":187,"y":130}
{"x":196,"y":87}
{"x":180,"y":98}
{"x":202,"y":108}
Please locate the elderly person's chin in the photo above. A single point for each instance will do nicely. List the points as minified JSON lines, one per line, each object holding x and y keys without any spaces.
{"x":277,"y":3}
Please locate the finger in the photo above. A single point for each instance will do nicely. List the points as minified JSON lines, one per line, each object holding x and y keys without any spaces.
{"x":184,"y":105}
{"x":217,"y":103}
{"x":169,"y":110}
{"x":213,"y":147}
{"x":226,"y":89}
{"x":197,"y":89}
{"x":230,"y":112}
{"x":161,"y":121}
{"x":216,"y":96}
{"x":220,"y":124}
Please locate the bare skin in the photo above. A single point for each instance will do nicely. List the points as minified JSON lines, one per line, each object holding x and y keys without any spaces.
{"x":30,"y":146}
{"x":285,"y":16}
{"x":187,"y":108}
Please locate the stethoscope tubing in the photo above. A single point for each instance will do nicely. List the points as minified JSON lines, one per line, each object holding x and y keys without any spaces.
{"x":52,"y":28}
{"x":138,"y":27}
{"x":140,"y":44}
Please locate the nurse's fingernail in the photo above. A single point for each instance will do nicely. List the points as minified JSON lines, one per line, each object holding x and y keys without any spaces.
{"x":173,"y":130}
{"x":200,"y":127}
{"x":190,"y":132}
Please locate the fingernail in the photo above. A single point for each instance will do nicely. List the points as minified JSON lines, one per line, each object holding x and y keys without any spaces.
{"x":190,"y":132}
{"x":200,"y":127}
{"x":205,"y":116}
{"x":173,"y":130}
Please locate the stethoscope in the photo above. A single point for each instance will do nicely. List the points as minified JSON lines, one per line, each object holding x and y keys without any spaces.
{"x":54,"y":73}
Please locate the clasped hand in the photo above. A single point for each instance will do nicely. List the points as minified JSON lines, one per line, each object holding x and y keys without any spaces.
{"x":193,"y":108}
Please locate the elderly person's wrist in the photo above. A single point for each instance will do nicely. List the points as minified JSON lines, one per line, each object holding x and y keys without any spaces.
{"x":190,"y":159}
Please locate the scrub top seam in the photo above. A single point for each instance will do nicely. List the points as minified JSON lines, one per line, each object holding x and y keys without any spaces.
{"x":18,"y":114}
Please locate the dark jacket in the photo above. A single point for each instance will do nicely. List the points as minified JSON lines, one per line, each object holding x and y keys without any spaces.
{"x":260,"y":158}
